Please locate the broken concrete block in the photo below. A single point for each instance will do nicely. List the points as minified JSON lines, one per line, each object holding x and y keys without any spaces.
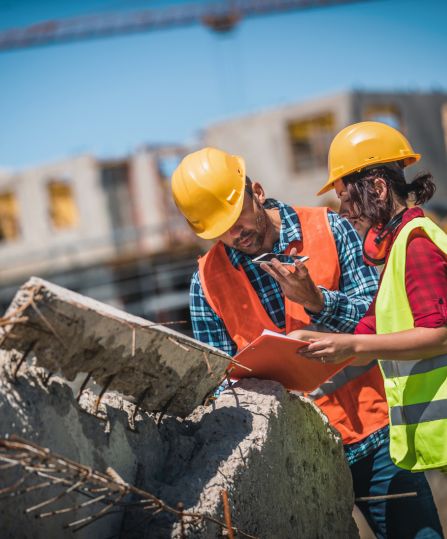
{"x":274,"y":453}
{"x":161,"y":369}
{"x":50,"y":416}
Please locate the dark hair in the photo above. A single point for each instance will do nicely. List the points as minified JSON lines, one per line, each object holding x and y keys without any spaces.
{"x":248,"y":186}
{"x":365,"y":201}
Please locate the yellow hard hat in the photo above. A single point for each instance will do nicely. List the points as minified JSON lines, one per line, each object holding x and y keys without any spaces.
{"x":364,"y":144}
{"x":208,"y":188}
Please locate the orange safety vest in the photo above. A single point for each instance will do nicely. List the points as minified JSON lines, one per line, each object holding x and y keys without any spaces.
{"x":354,"y":399}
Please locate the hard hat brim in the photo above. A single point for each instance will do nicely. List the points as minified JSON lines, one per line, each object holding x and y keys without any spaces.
{"x":408,"y":160}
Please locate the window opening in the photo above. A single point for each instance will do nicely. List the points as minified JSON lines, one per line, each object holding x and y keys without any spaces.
{"x":387,"y":113}
{"x":310,"y":139}
{"x":9,"y":217}
{"x":62,"y":206}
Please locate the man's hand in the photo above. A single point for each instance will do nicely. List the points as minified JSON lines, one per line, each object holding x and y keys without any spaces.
{"x":296,"y":284}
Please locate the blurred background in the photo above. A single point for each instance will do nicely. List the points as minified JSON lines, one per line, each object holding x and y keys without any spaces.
{"x":100,"y":99}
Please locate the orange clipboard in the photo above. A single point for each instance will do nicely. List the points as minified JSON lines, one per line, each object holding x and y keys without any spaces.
{"x":275,"y":357}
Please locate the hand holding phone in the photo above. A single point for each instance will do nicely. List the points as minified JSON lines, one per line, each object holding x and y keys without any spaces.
{"x":287,"y":260}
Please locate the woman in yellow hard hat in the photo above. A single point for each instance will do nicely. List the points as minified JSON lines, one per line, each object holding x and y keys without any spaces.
{"x":406,"y":326}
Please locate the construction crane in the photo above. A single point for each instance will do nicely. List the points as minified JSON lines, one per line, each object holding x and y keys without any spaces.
{"x":220,"y":17}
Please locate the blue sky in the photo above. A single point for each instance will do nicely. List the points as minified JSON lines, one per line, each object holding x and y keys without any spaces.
{"x":111,"y":95}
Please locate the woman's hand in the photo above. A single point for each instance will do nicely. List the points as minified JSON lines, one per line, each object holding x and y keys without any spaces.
{"x":330,"y":348}
{"x":306,"y":334}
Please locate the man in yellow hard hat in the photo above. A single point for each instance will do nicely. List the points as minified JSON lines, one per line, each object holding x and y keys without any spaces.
{"x":232,"y":299}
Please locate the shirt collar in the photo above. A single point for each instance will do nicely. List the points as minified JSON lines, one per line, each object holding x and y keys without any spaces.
{"x":409,"y":215}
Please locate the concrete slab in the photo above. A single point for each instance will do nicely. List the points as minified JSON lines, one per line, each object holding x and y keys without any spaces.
{"x":70,"y":334}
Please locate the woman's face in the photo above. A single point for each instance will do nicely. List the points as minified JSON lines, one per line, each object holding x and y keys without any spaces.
{"x":345,"y":210}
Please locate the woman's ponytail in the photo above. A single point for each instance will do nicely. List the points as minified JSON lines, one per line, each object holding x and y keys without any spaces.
{"x":365,"y":201}
{"x":422,"y":187}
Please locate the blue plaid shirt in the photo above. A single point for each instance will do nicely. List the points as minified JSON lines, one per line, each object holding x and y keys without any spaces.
{"x":342,"y":309}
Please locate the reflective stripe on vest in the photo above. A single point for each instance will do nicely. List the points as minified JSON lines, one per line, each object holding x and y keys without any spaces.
{"x":396,"y":369}
{"x":340,"y":379}
{"x":416,"y":390}
{"x":418,"y":413}
{"x":347,"y":398}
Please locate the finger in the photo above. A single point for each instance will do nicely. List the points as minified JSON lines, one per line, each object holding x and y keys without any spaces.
{"x":320,"y":356}
{"x":309,"y":355}
{"x":300,"y":269}
{"x":280,"y":268}
{"x":304,"y":352}
{"x":271,"y":270}
{"x":318,"y":346}
{"x":314,"y":353}
{"x":293,"y":251}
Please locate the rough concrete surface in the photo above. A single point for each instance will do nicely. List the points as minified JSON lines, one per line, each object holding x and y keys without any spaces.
{"x":50,"y":416}
{"x":71,"y":334}
{"x":280,"y":461}
{"x":274,"y":453}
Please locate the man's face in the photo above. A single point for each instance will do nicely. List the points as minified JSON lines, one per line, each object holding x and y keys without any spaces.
{"x":248,"y":234}
{"x":361,"y":225}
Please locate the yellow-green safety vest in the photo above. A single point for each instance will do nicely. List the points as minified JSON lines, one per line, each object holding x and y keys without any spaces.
{"x":416,"y":390}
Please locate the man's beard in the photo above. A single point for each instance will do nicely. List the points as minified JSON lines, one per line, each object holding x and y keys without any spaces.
{"x":256,"y":241}
{"x":257,"y":238}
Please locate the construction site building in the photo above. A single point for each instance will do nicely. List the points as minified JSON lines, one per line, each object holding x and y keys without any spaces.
{"x":286,"y":148}
{"x":105,"y":228}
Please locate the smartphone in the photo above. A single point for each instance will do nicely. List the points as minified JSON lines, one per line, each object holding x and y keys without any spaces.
{"x":288,"y":260}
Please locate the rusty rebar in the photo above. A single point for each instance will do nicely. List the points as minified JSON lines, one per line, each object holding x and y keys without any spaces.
{"x":208,"y":366}
{"x":23,"y":359}
{"x":73,"y":507}
{"x":46,"y":379}
{"x":227,"y":513}
{"x":182,"y":346}
{"x":137,"y":406}
{"x":84,"y":480}
{"x":386,"y":497}
{"x":47,"y":323}
{"x":107,"y":383}
{"x":83,"y":385}
{"x":180,"y":509}
{"x":56,"y":498}
{"x":82,"y":523}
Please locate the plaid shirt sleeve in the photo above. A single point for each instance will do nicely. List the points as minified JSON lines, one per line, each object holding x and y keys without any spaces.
{"x":344,"y":308}
{"x":206,"y":325}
